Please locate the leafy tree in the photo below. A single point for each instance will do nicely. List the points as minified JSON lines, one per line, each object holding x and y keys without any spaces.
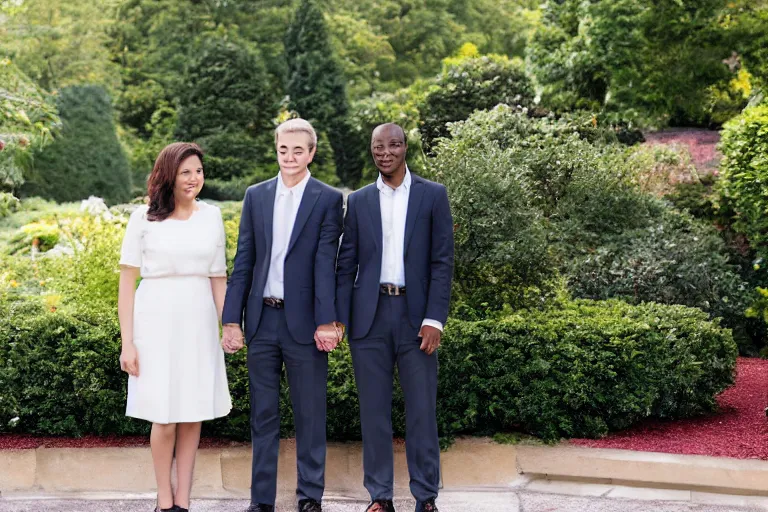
{"x":747,"y":23}
{"x":58,"y":42}
{"x":27,"y":121}
{"x":363,"y":51}
{"x":151,"y":42}
{"x":473,"y":84}
{"x":86,"y":158}
{"x":228,"y":108}
{"x":650,"y":60}
{"x":497,"y":26}
{"x":317,"y":88}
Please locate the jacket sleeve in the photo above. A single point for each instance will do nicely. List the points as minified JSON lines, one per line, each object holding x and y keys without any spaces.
{"x":441,"y":265}
{"x":346,"y":268}
{"x":325,"y":261}
{"x":239,"y":284}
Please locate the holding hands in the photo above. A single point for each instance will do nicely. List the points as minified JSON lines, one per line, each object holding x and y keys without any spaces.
{"x":328,"y":336}
{"x":232,"y":338}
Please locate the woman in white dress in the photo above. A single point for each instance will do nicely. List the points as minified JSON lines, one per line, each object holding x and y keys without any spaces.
{"x":170,"y":324}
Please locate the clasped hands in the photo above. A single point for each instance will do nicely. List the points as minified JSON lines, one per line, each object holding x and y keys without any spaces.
{"x":327,"y":337}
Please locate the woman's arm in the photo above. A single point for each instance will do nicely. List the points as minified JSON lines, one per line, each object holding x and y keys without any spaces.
{"x":129,"y":357}
{"x":219,"y":289}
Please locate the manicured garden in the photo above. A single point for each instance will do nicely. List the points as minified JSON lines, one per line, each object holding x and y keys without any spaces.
{"x":607,"y":275}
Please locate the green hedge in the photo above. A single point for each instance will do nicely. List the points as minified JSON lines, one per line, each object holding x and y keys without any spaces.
{"x":580,"y":370}
{"x":744,"y":174}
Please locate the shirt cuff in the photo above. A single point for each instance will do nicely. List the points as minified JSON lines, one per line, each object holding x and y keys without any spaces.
{"x":432,"y":323}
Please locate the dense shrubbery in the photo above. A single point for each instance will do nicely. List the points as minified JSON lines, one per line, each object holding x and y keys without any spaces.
{"x":674,"y":260}
{"x":473,"y":84}
{"x":744,"y":175}
{"x":582,"y":369}
{"x":516,"y":186}
{"x":534,"y":199}
{"x":579,"y":370}
{"x":85,"y":158}
{"x":574,"y":369}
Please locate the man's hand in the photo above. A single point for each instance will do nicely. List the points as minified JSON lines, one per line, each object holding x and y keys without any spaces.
{"x":430,"y":338}
{"x":129,"y":359}
{"x":232,"y":338}
{"x":327,"y":337}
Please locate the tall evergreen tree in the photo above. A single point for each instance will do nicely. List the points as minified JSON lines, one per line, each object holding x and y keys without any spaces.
{"x":317,"y":88}
{"x":86,"y":157}
{"x":228,"y":109}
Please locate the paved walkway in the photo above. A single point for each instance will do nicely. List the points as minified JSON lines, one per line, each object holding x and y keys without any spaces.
{"x":466,"y":501}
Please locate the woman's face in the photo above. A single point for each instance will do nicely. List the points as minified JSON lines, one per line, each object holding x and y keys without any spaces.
{"x":189,"y":179}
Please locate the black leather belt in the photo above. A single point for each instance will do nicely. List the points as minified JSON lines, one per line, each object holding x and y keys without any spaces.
{"x":274,"y":302}
{"x":392,"y":289}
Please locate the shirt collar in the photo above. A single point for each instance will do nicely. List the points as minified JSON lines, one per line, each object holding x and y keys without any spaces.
{"x":406,"y":184}
{"x":298,"y":189}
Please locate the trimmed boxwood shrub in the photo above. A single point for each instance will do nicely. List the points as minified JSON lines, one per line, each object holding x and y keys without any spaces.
{"x":59,"y":373}
{"x":580,"y":370}
{"x":744,"y":174}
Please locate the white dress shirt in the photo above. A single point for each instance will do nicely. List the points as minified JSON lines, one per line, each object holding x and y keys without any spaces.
{"x":394,"y":210}
{"x":287,"y":201}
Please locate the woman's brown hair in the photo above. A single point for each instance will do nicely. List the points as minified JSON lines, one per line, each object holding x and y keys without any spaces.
{"x":163,"y":178}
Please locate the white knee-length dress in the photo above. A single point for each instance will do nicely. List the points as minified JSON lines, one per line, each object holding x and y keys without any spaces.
{"x":182,"y":377}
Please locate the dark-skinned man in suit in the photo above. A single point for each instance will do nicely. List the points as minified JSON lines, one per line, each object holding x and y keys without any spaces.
{"x":394,"y":273}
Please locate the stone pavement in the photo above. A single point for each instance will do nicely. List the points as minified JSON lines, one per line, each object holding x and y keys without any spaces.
{"x":450,"y":501}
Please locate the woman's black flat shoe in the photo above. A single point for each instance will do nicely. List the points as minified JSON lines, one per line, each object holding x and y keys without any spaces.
{"x":177,"y":508}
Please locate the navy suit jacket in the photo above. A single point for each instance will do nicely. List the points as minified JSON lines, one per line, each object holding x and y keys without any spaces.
{"x":428,"y":256}
{"x":310,"y":281}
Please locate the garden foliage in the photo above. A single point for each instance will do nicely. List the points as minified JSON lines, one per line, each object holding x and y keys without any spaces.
{"x":86,"y":157}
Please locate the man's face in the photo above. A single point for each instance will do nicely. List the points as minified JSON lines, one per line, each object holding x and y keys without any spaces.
{"x":293,"y":153}
{"x":388,"y":148}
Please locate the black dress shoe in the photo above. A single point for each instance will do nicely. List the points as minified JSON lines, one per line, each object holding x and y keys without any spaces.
{"x":309,"y":505}
{"x":381,"y":506}
{"x":158,"y":509}
{"x":177,"y":508}
{"x":428,"y":506}
{"x":260,"y":507}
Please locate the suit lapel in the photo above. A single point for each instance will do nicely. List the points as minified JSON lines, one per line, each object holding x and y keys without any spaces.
{"x":308,"y":201}
{"x":414,"y":204}
{"x":374,"y":209}
{"x":268,"y":209}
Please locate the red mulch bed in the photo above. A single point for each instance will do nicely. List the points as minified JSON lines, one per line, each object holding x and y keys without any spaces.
{"x":702,"y":144}
{"x":22,"y":442}
{"x":739,"y":430}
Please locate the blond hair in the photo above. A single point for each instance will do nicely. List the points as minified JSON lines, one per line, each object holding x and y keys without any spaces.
{"x":297,"y":125}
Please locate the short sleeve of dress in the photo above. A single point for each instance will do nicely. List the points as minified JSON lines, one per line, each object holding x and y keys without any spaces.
{"x":219,"y":264}
{"x":130,"y":254}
